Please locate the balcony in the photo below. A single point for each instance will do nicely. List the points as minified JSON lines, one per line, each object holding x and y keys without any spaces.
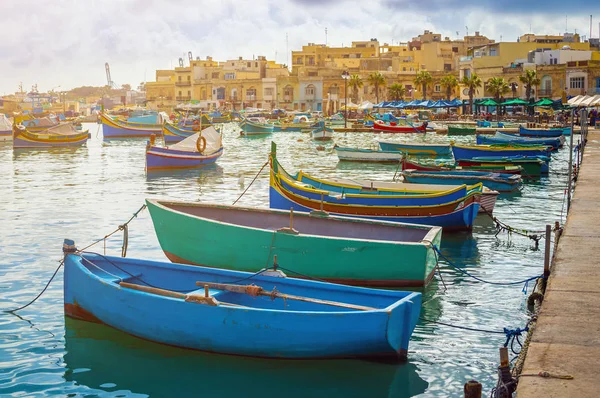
{"x":545,"y":92}
{"x":288,"y":98}
{"x":183,"y":98}
{"x":250,"y":97}
{"x":183,"y":83}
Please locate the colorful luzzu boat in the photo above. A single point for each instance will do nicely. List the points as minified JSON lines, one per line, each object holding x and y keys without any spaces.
{"x":392,"y":127}
{"x":116,"y":128}
{"x":547,"y":133}
{"x":209,"y":309}
{"x":453,"y":210}
{"x":416,"y":149}
{"x":62,"y":135}
{"x":512,"y":139}
{"x":255,"y":126}
{"x":463,"y":152}
{"x":199,"y":149}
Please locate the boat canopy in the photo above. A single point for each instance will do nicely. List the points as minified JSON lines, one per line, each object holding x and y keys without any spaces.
{"x":213,"y":141}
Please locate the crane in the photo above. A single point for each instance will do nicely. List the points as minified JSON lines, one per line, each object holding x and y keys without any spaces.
{"x":109,"y":81}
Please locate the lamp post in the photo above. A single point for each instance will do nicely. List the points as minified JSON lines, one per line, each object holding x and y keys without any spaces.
{"x":345,"y":76}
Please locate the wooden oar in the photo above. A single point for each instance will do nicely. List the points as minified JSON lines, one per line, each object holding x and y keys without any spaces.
{"x":193,"y":298}
{"x":259,"y":291}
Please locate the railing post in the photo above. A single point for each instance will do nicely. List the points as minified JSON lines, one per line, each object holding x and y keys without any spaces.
{"x":473,"y":389}
{"x":547,"y":252}
{"x":570,"y":174}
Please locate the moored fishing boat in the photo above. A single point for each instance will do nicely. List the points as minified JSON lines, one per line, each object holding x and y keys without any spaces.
{"x":512,"y":139}
{"x":492,"y":168}
{"x":173,"y":134}
{"x":416,"y":149}
{"x":488,"y":196}
{"x":393,"y":127}
{"x":495,"y":181}
{"x":200,"y":149}
{"x":461,"y":130}
{"x":322,"y":133}
{"x":367,"y":155}
{"x":210,"y":309}
{"x":6,"y":132}
{"x":61,"y":135}
{"x":255,"y":126}
{"x":532,"y":166}
{"x":115,"y":128}
{"x":336,"y":249}
{"x":463,"y":152}
{"x":455,"y":209}
{"x":547,"y":133}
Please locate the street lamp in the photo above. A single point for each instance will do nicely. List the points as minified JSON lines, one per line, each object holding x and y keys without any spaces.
{"x":345,"y":76}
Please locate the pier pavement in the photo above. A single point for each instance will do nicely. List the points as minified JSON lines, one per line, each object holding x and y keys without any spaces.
{"x":566,"y":339}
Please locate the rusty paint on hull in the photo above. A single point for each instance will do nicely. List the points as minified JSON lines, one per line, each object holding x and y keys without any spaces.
{"x":75,"y":311}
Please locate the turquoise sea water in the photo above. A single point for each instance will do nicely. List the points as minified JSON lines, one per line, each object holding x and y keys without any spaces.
{"x":85,"y":193}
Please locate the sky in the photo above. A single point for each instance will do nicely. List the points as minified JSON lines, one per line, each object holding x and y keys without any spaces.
{"x":61,"y":44}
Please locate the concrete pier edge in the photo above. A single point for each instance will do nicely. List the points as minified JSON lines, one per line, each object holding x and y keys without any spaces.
{"x":566,"y":339}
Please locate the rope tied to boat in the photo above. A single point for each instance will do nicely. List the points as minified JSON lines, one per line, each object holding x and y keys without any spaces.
{"x":513,"y":335}
{"x":451,"y":264}
{"x":251,"y":182}
{"x":536,"y":236}
{"x":253,"y":290}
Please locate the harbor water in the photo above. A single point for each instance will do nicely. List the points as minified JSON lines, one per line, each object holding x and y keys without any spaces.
{"x":86,"y":193}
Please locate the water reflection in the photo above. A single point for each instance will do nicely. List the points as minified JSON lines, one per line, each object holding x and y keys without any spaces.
{"x":103,"y":358}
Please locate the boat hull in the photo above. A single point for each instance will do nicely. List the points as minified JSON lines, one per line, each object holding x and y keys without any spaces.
{"x":367,"y":155}
{"x":507,"y":139}
{"x":45,"y":140}
{"x":165,"y":158}
{"x":251,"y":128}
{"x":456,"y":130}
{"x":469,"y":152}
{"x":332,"y":258}
{"x":546,"y":133}
{"x":172,"y":134}
{"x":302,"y":330}
{"x":112,"y":128}
{"x":532,"y":167}
{"x":6,"y":135}
{"x":416,"y":149}
{"x":388,"y":128}
{"x":464,"y":177}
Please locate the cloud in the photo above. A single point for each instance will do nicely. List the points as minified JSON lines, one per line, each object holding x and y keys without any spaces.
{"x":66,"y":42}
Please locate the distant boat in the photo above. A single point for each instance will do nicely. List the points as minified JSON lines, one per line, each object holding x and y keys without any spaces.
{"x":255,"y":126}
{"x":62,"y":135}
{"x":513,"y":139}
{"x":470,"y":151}
{"x":197,"y":150}
{"x":6,"y":131}
{"x":322,"y":133}
{"x":393,"y":127}
{"x":532,"y":166}
{"x":367,"y":155}
{"x":416,"y":149}
{"x":495,"y":181}
{"x":115,"y":128}
{"x":553,"y":133}
{"x":492,"y":168}
{"x":232,"y":312}
{"x":172,"y":134}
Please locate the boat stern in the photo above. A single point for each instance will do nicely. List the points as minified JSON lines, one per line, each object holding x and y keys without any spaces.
{"x":402,"y":320}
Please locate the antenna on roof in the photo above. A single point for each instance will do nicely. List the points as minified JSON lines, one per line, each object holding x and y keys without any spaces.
{"x":467,"y":28}
{"x":325,"y":37}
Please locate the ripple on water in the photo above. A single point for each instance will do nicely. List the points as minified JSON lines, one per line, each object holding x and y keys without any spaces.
{"x":85,"y":193}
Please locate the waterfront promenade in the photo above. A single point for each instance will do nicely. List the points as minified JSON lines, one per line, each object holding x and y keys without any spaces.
{"x":566,"y":340}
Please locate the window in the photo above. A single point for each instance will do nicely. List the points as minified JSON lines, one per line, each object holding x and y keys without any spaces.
{"x":251,"y":93}
{"x":404,"y":69}
{"x":180,"y":93}
{"x":229,"y":76}
{"x":437,"y":88}
{"x":215,"y":75}
{"x":189,"y":78}
{"x":256,"y":64}
{"x":365,"y":89}
{"x":189,"y":93}
{"x":249,"y":64}
{"x":577,"y":82}
{"x":310,"y":90}
{"x":313,"y":73}
{"x":269,"y":91}
{"x":299,"y":60}
{"x":179,"y":78}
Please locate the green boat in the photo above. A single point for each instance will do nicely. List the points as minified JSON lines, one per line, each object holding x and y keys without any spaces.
{"x":352,"y":251}
{"x":531,"y":167}
{"x":461,"y":130}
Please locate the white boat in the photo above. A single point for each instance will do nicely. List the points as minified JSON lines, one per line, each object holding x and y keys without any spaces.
{"x":322,"y":133}
{"x":367,"y":155}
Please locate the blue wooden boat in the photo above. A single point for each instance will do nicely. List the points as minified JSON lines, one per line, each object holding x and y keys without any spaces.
{"x":199,"y":149}
{"x":496,"y":181}
{"x":173,"y":134}
{"x":416,"y":149}
{"x":233,"y":312}
{"x":367,"y":155}
{"x":115,"y":128}
{"x":255,"y":126}
{"x":472,"y":151}
{"x":452,"y":209}
{"x":547,"y":133}
{"x":513,"y":139}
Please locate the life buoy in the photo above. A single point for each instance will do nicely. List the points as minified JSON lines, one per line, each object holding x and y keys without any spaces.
{"x":201,"y":144}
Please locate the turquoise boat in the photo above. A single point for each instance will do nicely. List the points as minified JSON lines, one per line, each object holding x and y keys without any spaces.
{"x":416,"y":149}
{"x":336,"y":249}
{"x":546,"y":133}
{"x":239,"y":313}
{"x":495,"y":181}
{"x":462,"y":152}
{"x":255,"y":126}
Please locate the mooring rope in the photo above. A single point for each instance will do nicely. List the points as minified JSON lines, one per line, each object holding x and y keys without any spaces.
{"x":536,"y":236}
{"x":252,"y":182}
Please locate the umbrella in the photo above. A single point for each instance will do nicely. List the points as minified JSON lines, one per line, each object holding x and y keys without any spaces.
{"x":379,"y":105}
{"x":488,"y":102}
{"x":544,"y":102}
{"x":366,"y":105}
{"x":516,"y":101}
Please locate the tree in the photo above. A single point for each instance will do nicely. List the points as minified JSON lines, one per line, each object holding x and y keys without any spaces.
{"x":530,"y":79}
{"x":449,"y":82}
{"x":355,"y":82}
{"x":423,"y":79}
{"x":396,"y":92}
{"x":126,"y":87}
{"x":472,"y":82}
{"x":376,"y":80}
{"x":497,"y":86}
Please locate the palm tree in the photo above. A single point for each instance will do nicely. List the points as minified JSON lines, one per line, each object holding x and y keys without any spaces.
{"x":355,"y":82}
{"x":497,"y":86}
{"x":472,"y":82}
{"x":377,"y":80}
{"x":530,"y":80}
{"x":396,"y":92}
{"x":423,"y":79}
{"x":449,"y":82}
